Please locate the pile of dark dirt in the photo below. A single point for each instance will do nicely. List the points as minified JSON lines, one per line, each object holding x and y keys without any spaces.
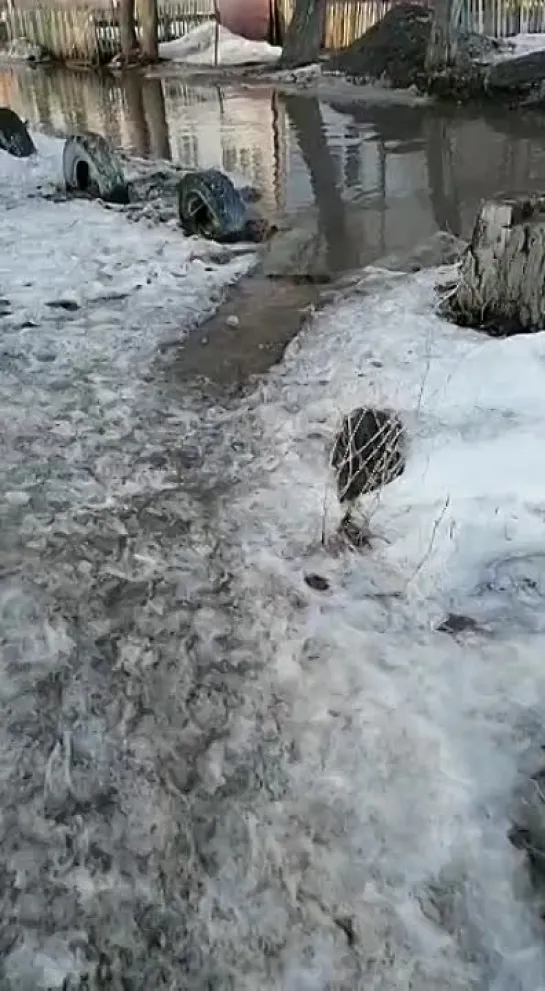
{"x":393,"y":51}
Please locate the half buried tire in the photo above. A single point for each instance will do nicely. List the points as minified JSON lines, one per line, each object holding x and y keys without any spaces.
{"x":14,"y":136}
{"x":90,"y":166}
{"x":210,"y":205}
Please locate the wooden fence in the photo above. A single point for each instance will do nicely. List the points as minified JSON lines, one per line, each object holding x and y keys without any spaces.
{"x":347,"y":20}
{"x":90,"y":35}
{"x":502,"y":18}
{"x":87,"y":31}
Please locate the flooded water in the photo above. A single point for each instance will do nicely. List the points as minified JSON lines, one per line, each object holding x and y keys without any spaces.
{"x":380,"y":175}
{"x":372,"y":179}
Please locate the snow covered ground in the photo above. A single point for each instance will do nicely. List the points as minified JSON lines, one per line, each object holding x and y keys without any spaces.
{"x":212,"y":775}
{"x":524,"y":44}
{"x":197,"y":48}
{"x":407,"y":741}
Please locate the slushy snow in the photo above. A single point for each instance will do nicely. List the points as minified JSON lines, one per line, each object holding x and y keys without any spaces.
{"x":408,"y":741}
{"x":526,"y":43}
{"x":212,"y":775}
{"x":197,"y":48}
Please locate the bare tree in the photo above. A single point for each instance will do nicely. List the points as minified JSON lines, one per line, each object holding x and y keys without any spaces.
{"x":149,"y":19}
{"x":304,"y":34}
{"x":127,"y":30}
{"x":442,"y":48}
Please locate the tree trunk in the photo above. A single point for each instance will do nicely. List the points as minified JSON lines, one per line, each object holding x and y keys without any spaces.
{"x":127,"y":30}
{"x":501,"y":285}
{"x":149,"y":21}
{"x":442,"y":47}
{"x":304,"y":34}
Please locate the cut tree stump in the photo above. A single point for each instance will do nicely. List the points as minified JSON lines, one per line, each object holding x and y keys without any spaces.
{"x":502,"y":272}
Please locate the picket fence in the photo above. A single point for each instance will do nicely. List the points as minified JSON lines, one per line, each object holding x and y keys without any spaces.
{"x":88,"y":32}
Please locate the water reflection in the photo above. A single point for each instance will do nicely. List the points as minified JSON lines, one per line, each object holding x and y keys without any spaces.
{"x":198,"y":127}
{"x":144,"y":104}
{"x":308,"y":129}
{"x":376,"y":178}
{"x":442,"y":179}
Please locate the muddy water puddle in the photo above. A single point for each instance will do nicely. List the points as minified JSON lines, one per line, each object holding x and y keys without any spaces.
{"x":369,"y":180}
{"x":247,"y":335}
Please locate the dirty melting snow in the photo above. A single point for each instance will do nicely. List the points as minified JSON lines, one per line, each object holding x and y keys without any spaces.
{"x":406,"y":741}
{"x":211,"y":775}
{"x":198,"y":47}
{"x":99,"y":580}
{"x":526,"y":43}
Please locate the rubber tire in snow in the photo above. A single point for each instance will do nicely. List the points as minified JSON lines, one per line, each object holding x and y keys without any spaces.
{"x":91,"y":166}
{"x":14,"y":136}
{"x":210,"y":205}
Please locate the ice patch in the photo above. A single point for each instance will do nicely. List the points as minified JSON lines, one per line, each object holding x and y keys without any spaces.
{"x":524,"y":44}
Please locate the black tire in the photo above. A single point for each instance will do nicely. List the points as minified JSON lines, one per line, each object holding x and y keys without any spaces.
{"x":91,"y":167}
{"x":210,"y":205}
{"x":14,"y":136}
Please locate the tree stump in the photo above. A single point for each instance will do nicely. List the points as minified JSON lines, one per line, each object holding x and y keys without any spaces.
{"x":502,"y":273}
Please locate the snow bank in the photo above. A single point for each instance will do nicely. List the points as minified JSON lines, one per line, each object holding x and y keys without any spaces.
{"x":84,"y":254}
{"x":197,"y":48}
{"x":406,"y":740}
{"x":524,"y":44}
{"x":21,"y":50}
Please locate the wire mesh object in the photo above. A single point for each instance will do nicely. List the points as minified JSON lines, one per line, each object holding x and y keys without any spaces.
{"x":369,"y":452}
